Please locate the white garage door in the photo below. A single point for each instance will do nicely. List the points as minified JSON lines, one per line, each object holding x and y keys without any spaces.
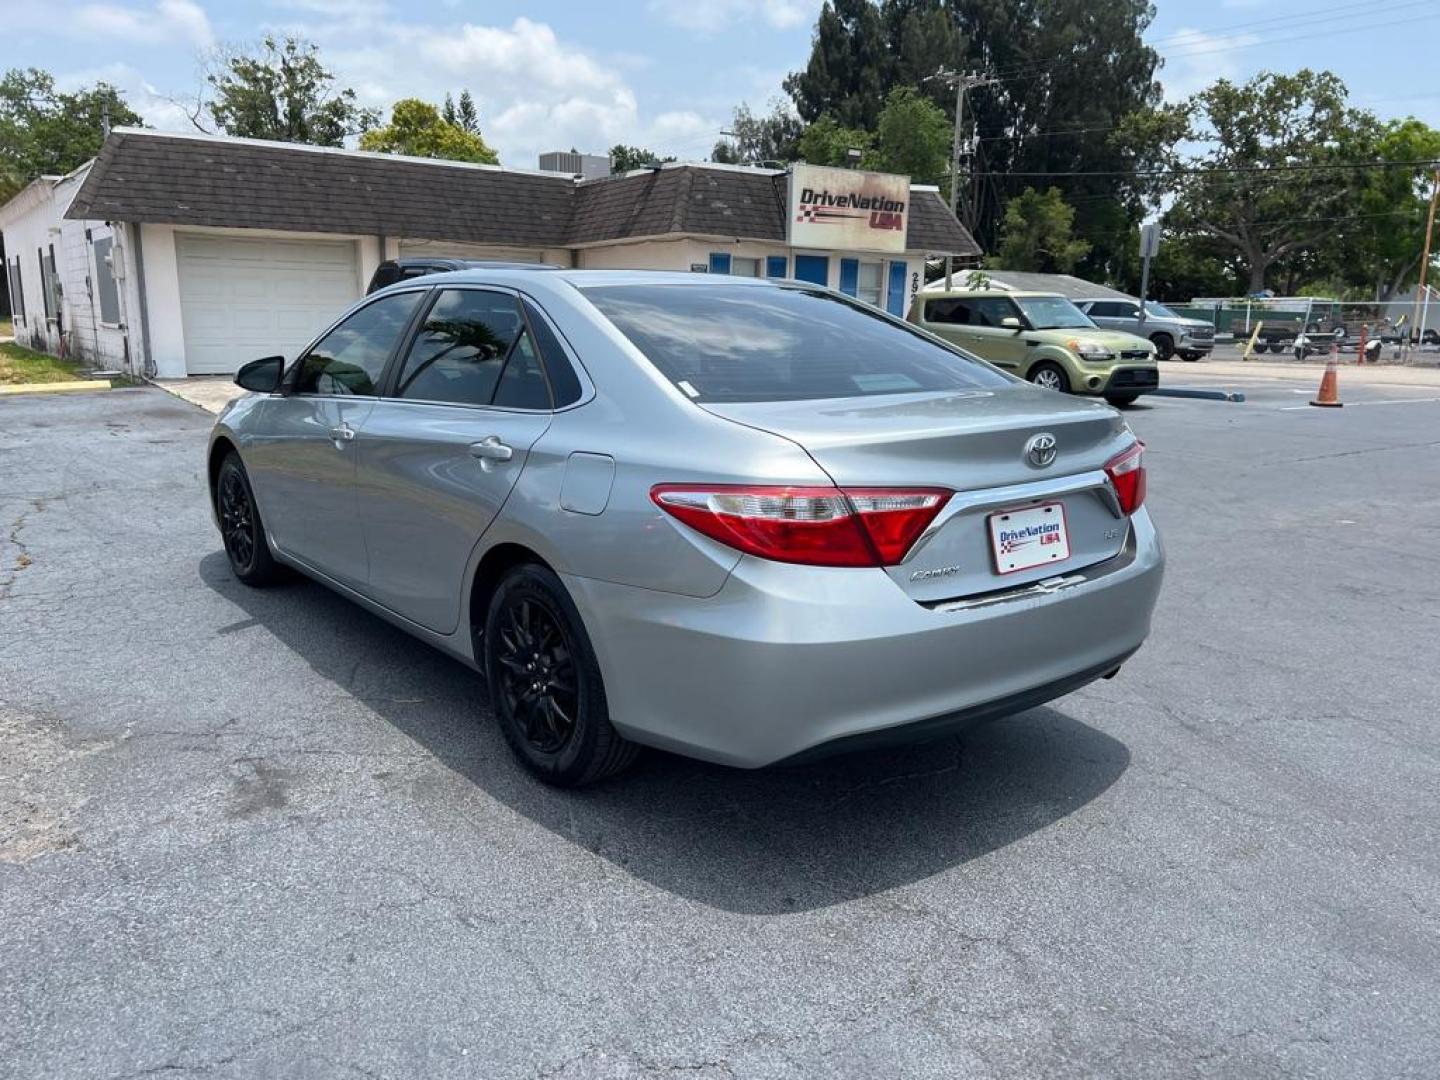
{"x":244,"y":298}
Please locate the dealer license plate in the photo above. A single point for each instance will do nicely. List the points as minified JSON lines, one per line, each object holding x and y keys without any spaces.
{"x":1035,"y":536}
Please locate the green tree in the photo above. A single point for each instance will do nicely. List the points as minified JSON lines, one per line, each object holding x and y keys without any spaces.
{"x":1263,"y":184}
{"x":826,"y":142}
{"x":624,"y":158}
{"x":45,"y":132}
{"x":913,"y":137}
{"x":775,"y":137}
{"x":1380,"y":241}
{"x":469,"y":118}
{"x":284,"y":93}
{"x":848,"y":71}
{"x":1037,"y":235}
{"x":417,"y":129}
{"x":1070,"y":71}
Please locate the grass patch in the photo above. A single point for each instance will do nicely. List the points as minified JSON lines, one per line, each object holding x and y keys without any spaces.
{"x":21,"y":365}
{"x":7,"y":328}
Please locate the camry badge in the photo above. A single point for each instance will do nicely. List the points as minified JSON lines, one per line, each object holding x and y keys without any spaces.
{"x":1040,"y":450}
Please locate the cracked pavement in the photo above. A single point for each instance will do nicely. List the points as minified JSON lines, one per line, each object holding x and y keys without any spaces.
{"x":263,"y":834}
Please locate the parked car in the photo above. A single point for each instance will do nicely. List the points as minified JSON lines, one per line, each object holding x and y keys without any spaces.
{"x":739,"y":519}
{"x":1043,"y":338}
{"x":1170,"y":333}
{"x":394,"y":270}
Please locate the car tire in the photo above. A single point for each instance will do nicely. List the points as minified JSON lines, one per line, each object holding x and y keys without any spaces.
{"x":241,"y":530}
{"x":1190,"y":357}
{"x":545,"y":683}
{"x":1121,"y":400}
{"x":1050,"y":376}
{"x":1164,"y":346}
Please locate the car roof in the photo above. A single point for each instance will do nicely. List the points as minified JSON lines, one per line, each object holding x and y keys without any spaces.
{"x":500,"y":274}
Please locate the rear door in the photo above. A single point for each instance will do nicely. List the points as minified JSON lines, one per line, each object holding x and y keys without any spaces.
{"x":1115,"y":315}
{"x":442,"y":449}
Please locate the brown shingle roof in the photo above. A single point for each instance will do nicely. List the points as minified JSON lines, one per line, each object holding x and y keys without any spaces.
{"x":244,"y":184}
{"x":238,"y":183}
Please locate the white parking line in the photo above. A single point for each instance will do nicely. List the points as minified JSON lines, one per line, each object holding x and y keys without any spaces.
{"x":1392,"y":401}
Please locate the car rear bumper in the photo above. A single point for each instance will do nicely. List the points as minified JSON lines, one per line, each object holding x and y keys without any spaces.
{"x":786,"y":660}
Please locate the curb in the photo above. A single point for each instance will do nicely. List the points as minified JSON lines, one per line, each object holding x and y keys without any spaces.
{"x":1195,"y":392}
{"x":75,"y":387}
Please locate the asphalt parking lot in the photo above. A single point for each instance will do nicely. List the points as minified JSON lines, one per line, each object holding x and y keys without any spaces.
{"x":250,"y":834}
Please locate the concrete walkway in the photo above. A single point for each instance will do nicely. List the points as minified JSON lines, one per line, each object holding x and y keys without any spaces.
{"x":210,"y":392}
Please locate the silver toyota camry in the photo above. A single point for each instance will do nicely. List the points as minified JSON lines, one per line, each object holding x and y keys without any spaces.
{"x":743,"y":520}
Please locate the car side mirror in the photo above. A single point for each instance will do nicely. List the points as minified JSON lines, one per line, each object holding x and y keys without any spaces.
{"x":263,"y":375}
{"x":1010,"y":322}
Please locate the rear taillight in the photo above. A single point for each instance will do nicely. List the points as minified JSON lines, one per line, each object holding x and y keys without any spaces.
{"x":818,"y":526}
{"x":1127,"y":472}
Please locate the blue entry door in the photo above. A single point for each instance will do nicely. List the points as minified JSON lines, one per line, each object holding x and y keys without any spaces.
{"x":895,"y":290}
{"x":812,"y":268}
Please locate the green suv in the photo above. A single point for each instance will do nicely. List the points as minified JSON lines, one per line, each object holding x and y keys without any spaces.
{"x":1044,"y":338}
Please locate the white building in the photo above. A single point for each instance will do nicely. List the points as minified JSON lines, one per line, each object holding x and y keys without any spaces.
{"x":172,"y":254}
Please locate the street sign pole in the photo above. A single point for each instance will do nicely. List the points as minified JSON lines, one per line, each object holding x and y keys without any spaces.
{"x":1149,"y":245}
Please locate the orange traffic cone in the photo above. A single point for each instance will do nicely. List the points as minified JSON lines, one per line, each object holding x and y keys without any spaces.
{"x":1329,"y":395}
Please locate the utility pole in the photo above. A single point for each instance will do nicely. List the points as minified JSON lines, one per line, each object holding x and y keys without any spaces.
{"x":962,"y":82}
{"x":1424,"y":263}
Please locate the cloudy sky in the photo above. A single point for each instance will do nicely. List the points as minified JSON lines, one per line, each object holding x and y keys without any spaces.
{"x":661,"y":73}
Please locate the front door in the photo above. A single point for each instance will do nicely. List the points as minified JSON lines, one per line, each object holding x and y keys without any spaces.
{"x":1004,"y":346}
{"x":440,"y":453}
{"x":303,"y":465}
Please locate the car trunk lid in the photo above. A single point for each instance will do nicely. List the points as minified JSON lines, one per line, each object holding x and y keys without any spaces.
{"x":973,"y":442}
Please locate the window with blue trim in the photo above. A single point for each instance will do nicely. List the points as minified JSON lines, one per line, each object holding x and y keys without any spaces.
{"x":775,"y":266}
{"x":719,"y":262}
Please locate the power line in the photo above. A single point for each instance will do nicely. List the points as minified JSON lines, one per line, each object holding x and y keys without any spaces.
{"x":1234,"y":170}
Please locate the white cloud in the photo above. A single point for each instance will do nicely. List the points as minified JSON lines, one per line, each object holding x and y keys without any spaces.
{"x":711,"y":16}
{"x":535,"y":91}
{"x":165,"y":22}
{"x":155,"y":108}
{"x":1195,"y":59}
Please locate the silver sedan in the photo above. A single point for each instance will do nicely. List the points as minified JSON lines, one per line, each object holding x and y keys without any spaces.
{"x":743,"y":520}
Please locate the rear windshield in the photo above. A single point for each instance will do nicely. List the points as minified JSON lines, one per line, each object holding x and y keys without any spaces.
{"x":725,"y":343}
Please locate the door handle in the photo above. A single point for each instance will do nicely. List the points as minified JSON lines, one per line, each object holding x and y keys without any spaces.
{"x":490,"y":450}
{"x":342,"y":434}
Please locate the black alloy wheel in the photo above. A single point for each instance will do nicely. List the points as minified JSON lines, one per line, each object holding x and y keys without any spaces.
{"x":545,"y":682}
{"x":240,"y":526}
{"x":536,"y":674}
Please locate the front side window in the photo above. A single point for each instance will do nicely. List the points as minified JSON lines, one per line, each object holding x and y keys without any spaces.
{"x":105,"y":290}
{"x":1054,"y":313}
{"x":474,"y":349}
{"x":351,"y":358}
{"x":736,"y":343}
{"x":992,"y":310}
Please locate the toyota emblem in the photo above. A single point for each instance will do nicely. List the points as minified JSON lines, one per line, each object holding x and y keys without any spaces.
{"x":1040,"y":450}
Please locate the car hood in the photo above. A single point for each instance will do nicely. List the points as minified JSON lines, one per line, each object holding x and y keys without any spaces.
{"x":1114,"y":340}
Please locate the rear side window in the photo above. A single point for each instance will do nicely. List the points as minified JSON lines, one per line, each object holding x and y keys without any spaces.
{"x":949,"y":311}
{"x":474,"y":349}
{"x":351,"y":358}
{"x":563,"y":381}
{"x":732,"y":344}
